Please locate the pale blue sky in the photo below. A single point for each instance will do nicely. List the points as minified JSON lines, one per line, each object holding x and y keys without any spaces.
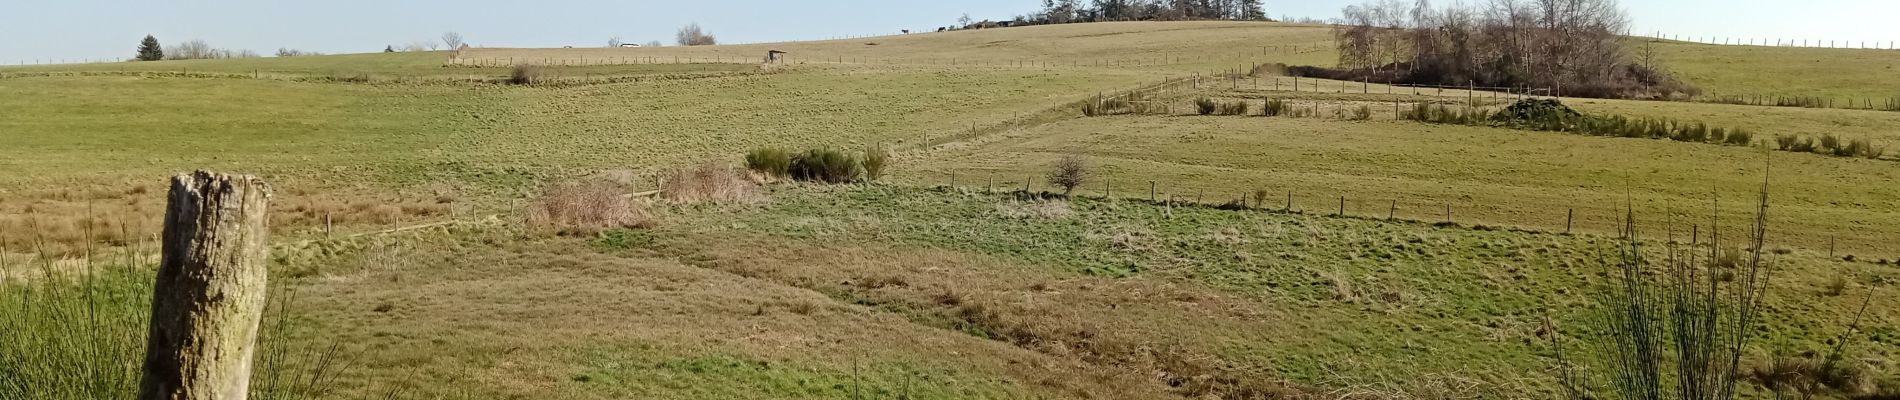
{"x":94,"y":29}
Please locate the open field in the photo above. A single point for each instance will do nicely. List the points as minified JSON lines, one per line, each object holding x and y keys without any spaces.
{"x":1837,"y":74}
{"x":900,"y":290}
{"x":1156,"y":46}
{"x":827,"y":291}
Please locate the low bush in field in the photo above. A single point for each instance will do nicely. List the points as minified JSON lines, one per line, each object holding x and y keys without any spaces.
{"x":710,"y":183}
{"x":874,"y":161}
{"x":1273,"y":108}
{"x":1205,"y":106}
{"x":827,"y":166}
{"x":585,"y":207}
{"x":1549,"y":115}
{"x":820,"y":165}
{"x":1236,"y":107}
{"x":527,"y":75}
{"x":770,"y":162}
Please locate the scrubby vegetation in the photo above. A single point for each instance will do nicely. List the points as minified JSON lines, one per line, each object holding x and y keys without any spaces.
{"x":711,"y":182}
{"x":1068,"y":173}
{"x":1551,"y":115}
{"x":584,"y":208}
{"x":1273,"y":108}
{"x":1483,"y":45}
{"x":820,"y":165}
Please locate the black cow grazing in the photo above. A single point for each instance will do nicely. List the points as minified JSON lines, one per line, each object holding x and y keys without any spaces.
{"x":907,"y":31}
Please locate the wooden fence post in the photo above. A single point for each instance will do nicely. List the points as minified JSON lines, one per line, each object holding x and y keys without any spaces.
{"x":1342,"y":206}
{"x":210,"y":291}
{"x":1151,"y":191}
{"x":1568,"y":219}
{"x":1392,"y":212}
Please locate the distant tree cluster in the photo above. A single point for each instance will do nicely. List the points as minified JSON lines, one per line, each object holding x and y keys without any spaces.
{"x":199,"y":50}
{"x":289,"y":52}
{"x":1571,"y":45}
{"x":1072,"y":11}
{"x":692,"y":35}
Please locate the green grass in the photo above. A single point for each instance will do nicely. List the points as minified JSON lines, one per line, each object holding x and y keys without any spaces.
{"x":1838,"y":74}
{"x":1424,"y":302}
{"x":1487,"y":175}
{"x":647,"y":372}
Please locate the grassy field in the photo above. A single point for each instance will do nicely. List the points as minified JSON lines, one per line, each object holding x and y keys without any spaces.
{"x":894,"y":290}
{"x":824,"y":291}
{"x":351,"y":150}
{"x":1836,"y":74}
{"x":1155,"y":46}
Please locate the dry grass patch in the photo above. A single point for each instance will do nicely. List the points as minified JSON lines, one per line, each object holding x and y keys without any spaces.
{"x":711,"y":183}
{"x":585,"y":207}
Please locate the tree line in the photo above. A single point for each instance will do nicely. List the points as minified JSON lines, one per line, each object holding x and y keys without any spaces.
{"x":1075,"y":11}
{"x":1573,"y":46}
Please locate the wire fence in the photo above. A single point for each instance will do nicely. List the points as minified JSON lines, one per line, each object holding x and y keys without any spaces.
{"x":1780,"y":42}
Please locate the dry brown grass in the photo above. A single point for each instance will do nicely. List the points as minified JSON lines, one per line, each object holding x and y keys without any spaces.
{"x":714,"y":183}
{"x":585,"y":207}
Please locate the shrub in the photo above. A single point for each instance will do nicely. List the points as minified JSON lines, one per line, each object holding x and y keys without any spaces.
{"x":875,"y":159}
{"x":527,"y":75}
{"x":1785,"y":142}
{"x":826,"y":165}
{"x":1364,"y":112}
{"x":1273,"y":108}
{"x":1803,"y":144}
{"x":1829,"y":142}
{"x":586,"y":207}
{"x":1068,"y":173}
{"x":1740,"y":137}
{"x":1204,"y":105}
{"x":770,"y":162}
{"x":1231,"y":108}
{"x":710,"y":183}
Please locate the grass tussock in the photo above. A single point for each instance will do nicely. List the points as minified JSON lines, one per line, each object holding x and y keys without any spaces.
{"x":876,"y":158}
{"x":585,"y":208}
{"x":710,"y":183}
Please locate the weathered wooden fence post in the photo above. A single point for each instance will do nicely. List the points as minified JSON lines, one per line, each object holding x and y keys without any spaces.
{"x":210,"y":291}
{"x":1568,"y":219}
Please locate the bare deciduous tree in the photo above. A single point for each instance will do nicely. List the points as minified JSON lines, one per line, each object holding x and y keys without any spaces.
{"x":692,"y":35}
{"x":1571,"y":44}
{"x":614,"y":42}
{"x":452,"y":39}
{"x":1069,"y":173}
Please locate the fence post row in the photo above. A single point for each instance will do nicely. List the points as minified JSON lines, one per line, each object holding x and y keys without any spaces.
{"x":210,"y":291}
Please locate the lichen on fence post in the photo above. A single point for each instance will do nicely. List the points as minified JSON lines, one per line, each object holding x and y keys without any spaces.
{"x":210,"y":289}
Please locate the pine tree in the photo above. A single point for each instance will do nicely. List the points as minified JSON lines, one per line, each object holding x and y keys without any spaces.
{"x":389,"y":49}
{"x":1252,"y":10}
{"x":149,"y":49}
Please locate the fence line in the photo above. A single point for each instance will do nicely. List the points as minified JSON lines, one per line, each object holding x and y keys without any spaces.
{"x":1758,"y":41}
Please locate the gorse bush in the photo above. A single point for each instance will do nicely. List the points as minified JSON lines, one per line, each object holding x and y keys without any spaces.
{"x":826,"y":165}
{"x":527,"y":75}
{"x":820,"y":165}
{"x":1364,"y":112}
{"x":770,"y":162}
{"x":1273,"y":108}
{"x":1231,"y":108}
{"x":1205,"y":106}
{"x":875,"y":159}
